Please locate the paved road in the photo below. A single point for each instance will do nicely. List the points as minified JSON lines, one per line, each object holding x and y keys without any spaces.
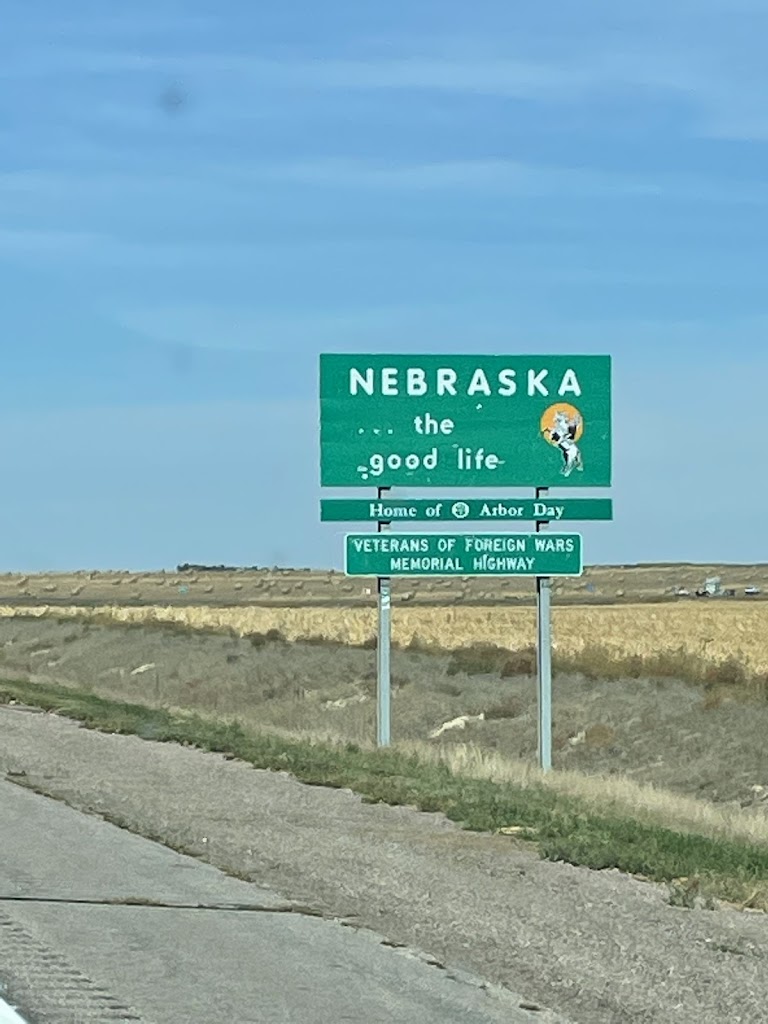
{"x":98,"y":924}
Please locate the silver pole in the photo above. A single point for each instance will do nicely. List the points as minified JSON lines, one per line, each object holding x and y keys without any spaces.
{"x":383,"y":649}
{"x":544,"y":656}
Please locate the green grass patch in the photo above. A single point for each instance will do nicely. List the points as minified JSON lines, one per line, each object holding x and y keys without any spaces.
{"x":562,"y":828}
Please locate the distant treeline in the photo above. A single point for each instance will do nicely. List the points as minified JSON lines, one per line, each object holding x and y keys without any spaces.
{"x":192,"y":567}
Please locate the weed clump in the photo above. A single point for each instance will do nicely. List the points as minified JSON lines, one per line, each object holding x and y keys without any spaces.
{"x":508,"y":707}
{"x":272,"y":636}
{"x":477,"y":659}
{"x":603,"y":663}
{"x":519,"y":663}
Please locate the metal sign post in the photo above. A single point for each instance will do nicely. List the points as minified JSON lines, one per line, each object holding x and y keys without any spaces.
{"x":383,"y":648}
{"x":544,"y":656}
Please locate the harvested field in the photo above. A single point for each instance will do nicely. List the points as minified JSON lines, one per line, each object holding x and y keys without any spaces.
{"x":713,"y":632}
{"x":276,"y":587}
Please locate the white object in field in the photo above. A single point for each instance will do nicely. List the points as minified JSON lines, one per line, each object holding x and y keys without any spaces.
{"x":143,"y":668}
{"x":343,"y":702}
{"x":456,"y":723}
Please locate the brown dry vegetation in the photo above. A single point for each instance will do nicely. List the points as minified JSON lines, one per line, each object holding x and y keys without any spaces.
{"x":659,"y":753}
{"x":660,"y":703}
{"x":662,"y":728}
{"x":709,"y":633}
{"x":629,"y":731}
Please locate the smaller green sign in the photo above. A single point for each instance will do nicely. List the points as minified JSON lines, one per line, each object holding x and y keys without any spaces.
{"x":463,"y":554}
{"x":497,"y":510}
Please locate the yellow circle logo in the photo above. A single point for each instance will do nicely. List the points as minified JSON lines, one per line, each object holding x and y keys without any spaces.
{"x":562,"y":420}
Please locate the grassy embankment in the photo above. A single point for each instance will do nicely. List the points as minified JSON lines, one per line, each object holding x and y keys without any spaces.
{"x":710,"y":854}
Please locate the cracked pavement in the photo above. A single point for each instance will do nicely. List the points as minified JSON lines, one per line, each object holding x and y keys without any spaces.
{"x":100,"y":924}
{"x":598,"y":947}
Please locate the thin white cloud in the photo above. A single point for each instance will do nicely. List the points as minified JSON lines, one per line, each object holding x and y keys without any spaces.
{"x":508,"y":77}
{"x":498,"y":175}
{"x":254,"y":330}
{"x":706,"y":55}
{"x":28,"y":192}
{"x":441,"y":326}
{"x":724,"y":96}
{"x":40,"y":243}
{"x":509,"y":177}
{"x":72,"y":251}
{"x":119,"y":24}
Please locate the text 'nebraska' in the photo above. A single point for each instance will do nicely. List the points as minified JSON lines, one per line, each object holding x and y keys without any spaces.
{"x":415,"y":381}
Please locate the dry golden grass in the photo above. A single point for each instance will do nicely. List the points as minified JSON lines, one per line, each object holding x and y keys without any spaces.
{"x":605,"y":793}
{"x":712,"y":631}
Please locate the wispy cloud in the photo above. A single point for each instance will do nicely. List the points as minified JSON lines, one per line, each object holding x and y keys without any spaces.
{"x":725,"y":96}
{"x":509,"y":77}
{"x":450,"y":325}
{"x":225,"y":327}
{"x":433,"y":326}
{"x":55,"y":245}
{"x":705,"y":56}
{"x":71,"y":252}
{"x":119,"y":24}
{"x":56,"y":192}
{"x":508,"y":177}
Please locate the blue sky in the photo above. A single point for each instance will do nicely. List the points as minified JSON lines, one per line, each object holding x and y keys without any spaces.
{"x":196,"y":199}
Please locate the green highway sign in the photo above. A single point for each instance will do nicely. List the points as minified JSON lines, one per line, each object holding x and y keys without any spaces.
{"x":495,"y":510}
{"x":463,"y":554}
{"x":465,"y":421}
